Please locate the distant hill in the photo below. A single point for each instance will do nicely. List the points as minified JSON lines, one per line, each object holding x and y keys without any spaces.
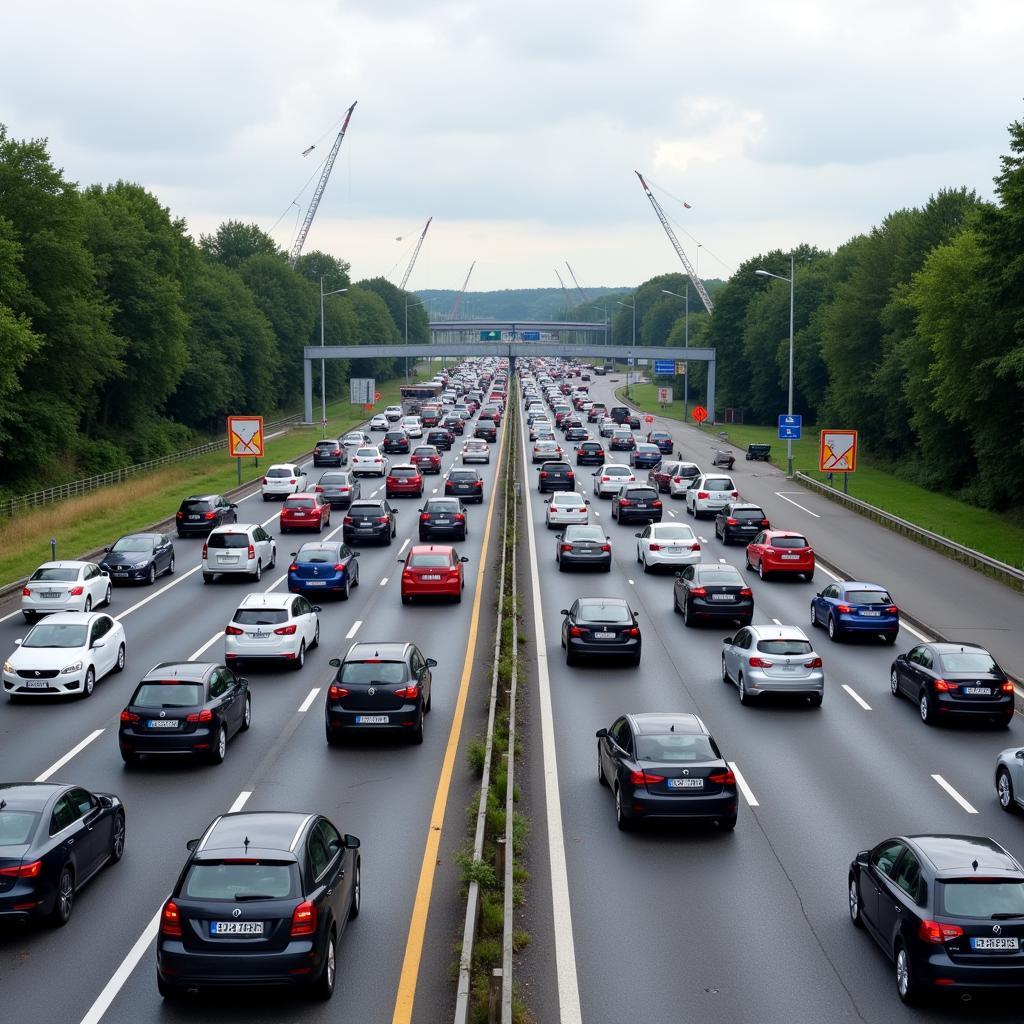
{"x":512,"y":303}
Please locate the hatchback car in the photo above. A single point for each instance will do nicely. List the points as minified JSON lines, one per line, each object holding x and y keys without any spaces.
{"x":556,"y":475}
{"x":200,"y":513}
{"x":708,"y":493}
{"x":645,"y":456}
{"x":852,"y":607}
{"x":667,"y":544}
{"x":665,"y":766}
{"x":600,"y":627}
{"x":396,"y":442}
{"x":329,"y":453}
{"x":432,"y":570}
{"x":780,"y":552}
{"x":465,"y":483}
{"x":393,"y":413}
{"x":368,"y":461}
{"x":412,"y":425}
{"x":455,"y":425}
{"x":708,"y":591}
{"x":577,"y":434}
{"x":583,"y":546}
{"x":611,"y":477}
{"x":547,"y":451}
{"x":139,"y":558}
{"x":188,"y":707}
{"x":441,"y":438}
{"x":773,"y":659}
{"x":282,"y":480}
{"x":564,"y":507}
{"x":404,"y":480}
{"x":324,"y":566}
{"x":64,"y":586}
{"x":305,"y":512}
{"x":53,"y":839}
{"x":272,"y":627}
{"x":486,"y":429}
{"x":370,"y":519}
{"x":740,"y":521}
{"x":683,"y":474}
{"x":662,"y":439}
{"x":338,"y":487}
{"x":590,"y":453}
{"x":476,"y":450}
{"x":355,"y":439}
{"x":263,"y":899}
{"x":622,"y":440}
{"x":243,"y":549}
{"x":426,"y":458}
{"x":379,"y":422}
{"x":635,"y":503}
{"x":443,"y":517}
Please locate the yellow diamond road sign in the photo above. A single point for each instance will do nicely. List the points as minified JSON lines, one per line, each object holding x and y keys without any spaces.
{"x":245,"y":436}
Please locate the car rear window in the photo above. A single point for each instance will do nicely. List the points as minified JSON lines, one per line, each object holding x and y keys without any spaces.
{"x":365,"y":509}
{"x":676,"y":748}
{"x":750,"y":513}
{"x":984,"y":899}
{"x":784,"y":646}
{"x":241,"y":879}
{"x":367,"y":453}
{"x":668,"y":531}
{"x":868,"y":597}
{"x":719,"y":483}
{"x":584,"y":533}
{"x":441,"y":505}
{"x":334,"y":478}
{"x":375,"y":672}
{"x":403,"y":472}
{"x":430,"y":561}
{"x":712,"y":574}
{"x":168,"y":695}
{"x":964,"y":661}
{"x":16,"y":827}
{"x":278,"y":473}
{"x":56,"y":575}
{"x":56,"y":634}
{"x":616,"y":471}
{"x":331,"y":445}
{"x":299,"y":503}
{"x":595,"y":611}
{"x":261,"y":616}
{"x":567,"y":499}
{"x":196,"y":506}
{"x":424,"y":450}
{"x":133,"y":544}
{"x":641,"y":493}
{"x":462,"y":474}
{"x":789,"y":542}
{"x":317,"y":555}
{"x":228,"y":540}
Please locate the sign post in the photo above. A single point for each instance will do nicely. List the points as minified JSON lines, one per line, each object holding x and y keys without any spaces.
{"x":790,"y":427}
{"x":837,"y":453}
{"x":245,"y":438}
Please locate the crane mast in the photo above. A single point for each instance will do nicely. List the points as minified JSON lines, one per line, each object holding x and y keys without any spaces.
{"x":415,"y":253}
{"x":586,"y":298}
{"x":461,"y":294}
{"x":300,"y":241}
{"x":568,"y":301}
{"x":690,"y":272}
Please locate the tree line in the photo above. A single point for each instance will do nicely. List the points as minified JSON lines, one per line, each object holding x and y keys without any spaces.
{"x":123,"y":339}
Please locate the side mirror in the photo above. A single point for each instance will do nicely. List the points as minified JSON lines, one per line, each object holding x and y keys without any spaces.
{"x":335,"y":663}
{"x":107,"y":550}
{"x":400,"y":561}
{"x":601,"y":733}
{"x":293,"y":554}
{"x":586,"y":501}
{"x":679,"y":575}
{"x":351,"y":842}
{"x":419,"y":510}
{"x":96,"y":644}
{"x":563,"y":611}
{"x":17,"y":643}
{"x":355,"y":554}
{"x":463,"y":559}
{"x":105,"y":801}
{"x":547,"y":501}
{"x":191,"y":845}
{"x":233,"y":505}
{"x":1019,"y":755}
{"x":637,"y":535}
{"x":818,"y":594}
{"x":431,"y":663}
{"x":317,"y":608}
{"x":727,"y":640}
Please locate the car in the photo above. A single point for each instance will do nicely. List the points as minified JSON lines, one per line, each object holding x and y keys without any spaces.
{"x":590,"y":453}
{"x":393,"y":413}
{"x":305,"y":512}
{"x":1009,"y":779}
{"x":780,"y":552}
{"x":668,"y":544}
{"x":329,"y":453}
{"x":610,"y":477}
{"x":606,"y":426}
{"x":379,"y":422}
{"x":65,"y":655}
{"x":441,"y":438}
{"x":426,"y":458}
{"x":321,"y":566}
{"x":682,"y":476}
{"x":263,"y":899}
{"x":565,"y":507}
{"x":430,"y":416}
{"x":412,"y":426}
{"x":665,"y":766}
{"x":64,"y":586}
{"x":241,"y":549}
{"x":596,"y":409}
{"x":547,"y":451}
{"x":583,"y":546}
{"x":369,"y":461}
{"x":283,"y":479}
{"x":636,"y":503}
{"x":556,"y":475}
{"x":198,"y":514}
{"x":662,"y":439}
{"x":953,"y":680}
{"x":571,"y":423}
{"x":632,"y":421}
{"x":444,"y":517}
{"x":139,"y":558}
{"x":486,"y":429}
{"x":644,"y":456}
{"x":849,"y":607}
{"x":465,"y":483}
{"x":577,"y":434}
{"x":396,"y":442}
{"x":708,"y":493}
{"x":272,"y":627}
{"x":600,"y":627}
{"x":432,"y":570}
{"x":622,"y":440}
{"x":619,"y":413}
{"x":709,"y":591}
{"x":338,"y":487}
{"x":370,"y":519}
{"x":946,"y":909}
{"x":355,"y":439}
{"x":404,"y":479}
{"x":475,"y":450}
{"x":539,"y":427}
{"x":54,"y":838}
{"x":767,"y":659}
{"x":456,"y":425}
{"x":740,"y":520}
{"x":185,"y":708}
{"x":379,"y":687}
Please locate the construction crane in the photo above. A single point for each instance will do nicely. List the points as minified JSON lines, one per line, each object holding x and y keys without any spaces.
{"x":690,"y":272}
{"x":575,"y":282}
{"x":461,"y":293}
{"x":415,"y":253}
{"x":300,"y":241}
{"x":568,"y":301}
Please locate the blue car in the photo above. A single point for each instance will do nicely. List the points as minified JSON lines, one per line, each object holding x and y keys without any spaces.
{"x":645,"y":456}
{"x":321,"y":566}
{"x":663,"y":439}
{"x":851,"y":607}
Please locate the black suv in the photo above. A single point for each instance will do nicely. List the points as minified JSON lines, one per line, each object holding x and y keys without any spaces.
{"x":396,"y":442}
{"x":263,"y":899}
{"x":443,"y":517}
{"x":556,"y":476}
{"x":330,"y":453}
{"x":486,"y":430}
{"x":637,"y":503}
{"x":441,"y":438}
{"x":369,"y":519}
{"x":740,"y":521}
{"x":619,"y":413}
{"x":200,"y":513}
{"x":590,"y":453}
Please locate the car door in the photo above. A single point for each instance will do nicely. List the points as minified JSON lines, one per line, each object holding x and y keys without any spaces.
{"x":336,"y":875}
{"x":267,"y":545}
{"x":875,"y":887}
{"x":418,"y":670}
{"x":682,"y":584}
{"x":68,"y":833}
{"x":95,"y":834}
{"x":755,"y":549}
{"x":897,"y":889}
{"x":99,"y":646}
{"x":736,"y":652}
{"x":302,"y":610}
{"x":820,"y":603}
{"x":94,"y":582}
{"x":224,"y":698}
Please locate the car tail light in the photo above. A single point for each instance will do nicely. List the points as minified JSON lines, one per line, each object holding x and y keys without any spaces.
{"x":424,"y":517}
{"x":336,"y":692}
{"x":892,"y":609}
{"x":459,"y":517}
{"x":543,"y":473}
{"x":732,"y":522}
{"x":770,"y":550}
{"x":942,"y":686}
{"x":576,"y":631}
{"x":129,"y":717}
{"x":933,"y":931}
{"x":813,"y":663}
{"x":204,"y":551}
{"x":695,"y":547}
{"x":677,"y":479}
{"x":179,"y":515}
{"x":209,"y":515}
{"x":378,"y":460}
{"x":726,"y":778}
{"x":480,"y":483}
{"x":746,"y":592}
{"x":606,"y":547}
{"x":264,"y":480}
{"x":26,"y":592}
{"x":632,"y":631}
{"x":304,"y":918}
{"x":318,"y":489}
{"x":567,"y":547}
{"x":623,"y":502}
{"x":76,"y":591}
{"x":233,"y":631}
{"x":642,"y":778}
{"x":699,"y":592}
{"x":735,"y":494}
{"x":760,"y":663}
{"x":31,"y":870}
{"x":410,"y":692}
{"x":206,"y":715}
{"x":293,"y":481}
{"x":337,"y":451}
{"x":764,"y":522}
{"x":347,"y":521}
{"x":657,"y":504}
{"x":252,"y":551}
{"x":703,"y":495}
{"x":1007,"y":686}
{"x":382,"y":519}
{"x":170,"y":920}
{"x":655,"y":547}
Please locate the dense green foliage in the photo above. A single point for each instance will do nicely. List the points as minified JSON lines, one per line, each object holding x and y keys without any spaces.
{"x":512,"y":303}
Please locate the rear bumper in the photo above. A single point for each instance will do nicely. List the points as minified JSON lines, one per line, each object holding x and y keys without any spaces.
{"x":939,"y":972}
{"x":726,"y":610}
{"x":776,"y":565}
{"x":645,"y":805}
{"x":132,"y":742}
{"x":439,"y":589}
{"x":1000,"y":709}
{"x":377,"y":533}
{"x":572,"y":561}
{"x":297,"y":964}
{"x":338,"y":721}
{"x":629,"y":648}
{"x":646,"y":515}
{"x":852,"y":624}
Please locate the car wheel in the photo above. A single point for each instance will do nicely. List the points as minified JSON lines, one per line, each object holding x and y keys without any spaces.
{"x":90,"y":682}
{"x":301,"y":659}
{"x":417,"y":733}
{"x":890,"y":638}
{"x":816,"y":700}
{"x":333,"y":739}
{"x":570,"y":657}
{"x":357,"y":892}
{"x":207,"y":577}
{"x":220,"y":748}
{"x":346,"y":592}
{"x":258,"y":574}
{"x":30,"y":617}
{"x":130,"y":759}
{"x":110,"y":594}
{"x":119,"y":664}
{"x":152,"y":575}
{"x":760,"y":570}
{"x":833,"y":630}
{"x":687,"y":617}
{"x":65,"y":901}
{"x":316,"y":636}
{"x":742,"y":688}
{"x":689,"y":510}
{"x":906,"y":982}
{"x":88,"y":603}
{"x":725,"y":672}
{"x":643,"y":562}
{"x":814,"y":618}
{"x":170,"y":566}
{"x":600,"y":768}
{"x":620,"y":817}
{"x":423,"y":537}
{"x":246,"y":714}
{"x":855,"y":917}
{"x":894,"y":683}
{"x":1004,"y":789}
{"x":924,"y":705}
{"x":323,"y":987}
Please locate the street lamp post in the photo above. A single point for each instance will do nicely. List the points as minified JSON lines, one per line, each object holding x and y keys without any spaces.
{"x":323,"y":361}
{"x":408,"y":303}
{"x":632,"y":307}
{"x":686,"y":344}
{"x":792,"y":284}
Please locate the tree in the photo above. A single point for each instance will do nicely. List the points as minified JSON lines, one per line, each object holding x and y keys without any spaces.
{"x":234,"y":242}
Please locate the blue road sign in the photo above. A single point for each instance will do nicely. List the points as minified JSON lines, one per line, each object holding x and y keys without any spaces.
{"x":790,"y":427}
{"x":530,"y":335}
{"x":664,"y":367}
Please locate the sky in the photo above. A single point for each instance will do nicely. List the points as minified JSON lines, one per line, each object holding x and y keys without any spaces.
{"x":518,"y":126}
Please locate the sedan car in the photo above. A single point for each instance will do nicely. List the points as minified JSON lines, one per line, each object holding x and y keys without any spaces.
{"x":600,"y":627}
{"x":329,"y":453}
{"x":610,"y":477}
{"x":339,"y":488}
{"x":665,"y":766}
{"x":577,"y":434}
{"x":65,"y":655}
{"x":607,"y":426}
{"x":412,"y":425}
{"x":396,"y":442}
{"x":780,"y":552}
{"x":708,"y":591}
{"x":63,"y":587}
{"x":368,"y":461}
{"x":476,"y":450}
{"x":369,"y":519}
{"x":539,"y":427}
{"x":683,"y":474}
{"x":547,"y":451}
{"x":852,"y":607}
{"x":465,"y":483}
{"x":455,"y":425}
{"x":198,"y":514}
{"x":324,"y":566}
{"x":667,"y":544}
{"x":636,"y":503}
{"x":426,"y":458}
{"x":281,"y":480}
{"x":487,"y":430}
{"x":356,"y":439}
{"x":379,"y":687}
{"x":645,"y":456}
{"x":583,"y":546}
{"x":404,"y":479}
{"x":188,"y":707}
{"x":263,"y":899}
{"x":305,"y":512}
{"x":663,"y":440}
{"x":565,"y":507}
{"x":393,"y":413}
{"x":379,"y":422}
{"x":622,"y":440}
{"x":272,"y":627}
{"x":708,"y":493}
{"x":590,"y":453}
{"x":773,"y":659}
{"x":432,"y":570}
{"x":740,"y":521}
{"x":953,"y":681}
{"x":443,"y":517}
{"x":53,"y":839}
{"x":139,"y":558}
{"x":556,"y":475}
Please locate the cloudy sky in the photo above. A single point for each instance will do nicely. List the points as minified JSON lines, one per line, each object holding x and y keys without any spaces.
{"x":517,"y":126}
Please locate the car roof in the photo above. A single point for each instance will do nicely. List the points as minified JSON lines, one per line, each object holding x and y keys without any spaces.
{"x":717,"y":567}
{"x":63,"y":563}
{"x":785,"y":533}
{"x":201,"y":497}
{"x":186,"y":671}
{"x":763,"y":631}
{"x":940,"y":647}
{"x":28,"y":796}
{"x":73,"y":618}
{"x":272,"y":600}
{"x":958,"y":854}
{"x":389,"y":650}
{"x":426,"y":549}
{"x":277,"y":831}
{"x":238,"y":527}
{"x":301,"y":494}
{"x":285,"y":465}
{"x":148,"y":534}
{"x":753,"y":504}
{"x":856,"y":585}
{"x":655,"y":723}
{"x":618,"y":602}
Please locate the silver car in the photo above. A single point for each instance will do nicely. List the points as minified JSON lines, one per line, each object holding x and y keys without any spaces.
{"x":1010,"y":778}
{"x":773,"y":659}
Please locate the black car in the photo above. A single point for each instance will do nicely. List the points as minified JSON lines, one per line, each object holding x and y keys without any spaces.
{"x":619,"y":413}
{"x":139,"y":558}
{"x":379,"y":687}
{"x":443,"y":517}
{"x":951,"y":680}
{"x":665,"y":766}
{"x":339,"y":488}
{"x":370,"y":519}
{"x":600,"y":627}
{"x":556,"y":476}
{"x":948,"y":910}
{"x":53,"y":839}
{"x":632,"y":421}
{"x":709,"y":591}
{"x":486,"y":430}
{"x":636,"y":503}
{"x":263,"y":899}
{"x":329,"y":453}
{"x":188,"y":707}
{"x":396,"y":442}
{"x":579,"y":545}
{"x":441,"y":438}
{"x":466,"y":483}
{"x":740,"y":521}
{"x":454,"y":424}
{"x":577,"y":434}
{"x":200,"y":513}
{"x":590,"y":453}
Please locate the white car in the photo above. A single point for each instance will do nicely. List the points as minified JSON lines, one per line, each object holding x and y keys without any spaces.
{"x":684,"y":473}
{"x":276,"y":627}
{"x":709,"y":493}
{"x":412,"y":425}
{"x":283,"y":479}
{"x":356,"y":439}
{"x":64,"y":587}
{"x":476,"y":449}
{"x":380,"y":422}
{"x":240,"y":549}
{"x":369,"y":462}
{"x":547,"y":451}
{"x":610,"y":477}
{"x":64,"y":656}
{"x":565,"y":507}
{"x":670,"y":544}
{"x":393,"y":413}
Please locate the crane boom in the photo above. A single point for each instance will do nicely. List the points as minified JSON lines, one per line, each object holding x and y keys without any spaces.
{"x":586,"y":298}
{"x":568,"y":302}
{"x":461,"y":294}
{"x":415,"y":253}
{"x":690,"y":272}
{"x":300,"y":241}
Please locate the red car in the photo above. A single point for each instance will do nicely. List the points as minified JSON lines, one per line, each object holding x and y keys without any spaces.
{"x":404,"y":479}
{"x":780,"y":551}
{"x":426,"y":458}
{"x":432,"y":570}
{"x":305,"y":512}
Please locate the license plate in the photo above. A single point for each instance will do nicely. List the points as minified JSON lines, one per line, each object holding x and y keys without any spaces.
{"x":995,"y":943}
{"x":236,"y":927}
{"x":876,"y":614}
{"x":790,"y":558}
{"x":50,"y":594}
{"x":193,"y":517}
{"x":722,"y":597}
{"x":163,"y":723}
{"x":604,"y":636}
{"x":641,"y":504}
{"x":685,"y":783}
{"x":977,"y":691}
{"x":36,"y":684}
{"x":119,"y":575}
{"x":441,"y":522}
{"x":372,"y":719}
{"x":431,"y":577}
{"x":228,"y":559}
{"x":364,"y":529}
{"x":316,"y":583}
{"x":259,"y":634}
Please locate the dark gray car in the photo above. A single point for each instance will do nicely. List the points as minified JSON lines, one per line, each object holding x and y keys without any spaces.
{"x":583,"y":547}
{"x":339,"y":488}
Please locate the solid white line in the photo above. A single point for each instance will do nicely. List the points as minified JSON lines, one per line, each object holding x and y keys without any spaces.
{"x":954,"y":794}
{"x":384,"y":581}
{"x":776,"y":621}
{"x":10,"y":615}
{"x":631,"y":583}
{"x":670,"y":512}
{"x":76,"y":749}
{"x":355,"y":629}
{"x":797,"y":503}
{"x":744,"y":788}
{"x":310,"y":697}
{"x":240,"y":801}
{"x":857,"y":697}
{"x":405,"y":544}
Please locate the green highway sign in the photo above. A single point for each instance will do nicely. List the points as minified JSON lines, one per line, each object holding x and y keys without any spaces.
{"x":490,"y":335}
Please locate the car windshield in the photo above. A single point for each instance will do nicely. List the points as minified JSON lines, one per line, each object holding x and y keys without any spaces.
{"x":671,"y":532}
{"x":299,"y":503}
{"x":598,"y":611}
{"x":133,"y":544}
{"x":868,"y":597}
{"x":56,"y":575}
{"x":168,"y":695}
{"x":988,"y":899}
{"x":718,"y":483}
{"x":234,"y":881}
{"x":228,"y":540}
{"x":712,"y":574}
{"x":430,"y":560}
{"x":979,"y":662}
{"x":781,"y":646}
{"x":676,"y":748}
{"x":261,"y":616}
{"x":279,"y":472}
{"x":372,"y":672}
{"x":56,"y":634}
{"x":16,"y":827}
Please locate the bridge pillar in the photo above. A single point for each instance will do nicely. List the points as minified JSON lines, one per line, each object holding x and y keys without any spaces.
{"x":711,"y":390}
{"x":307,"y":391}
